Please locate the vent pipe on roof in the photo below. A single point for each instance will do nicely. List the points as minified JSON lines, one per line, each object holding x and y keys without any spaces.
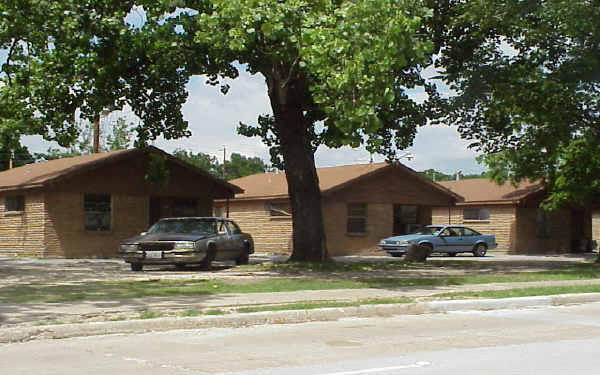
{"x":458,"y":174}
{"x":11,"y":156}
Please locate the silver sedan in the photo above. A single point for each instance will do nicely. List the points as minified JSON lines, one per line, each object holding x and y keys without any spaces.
{"x":187,"y":240}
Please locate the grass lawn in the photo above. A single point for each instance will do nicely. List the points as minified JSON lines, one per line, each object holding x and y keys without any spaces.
{"x":523,"y":292}
{"x":305,"y":277}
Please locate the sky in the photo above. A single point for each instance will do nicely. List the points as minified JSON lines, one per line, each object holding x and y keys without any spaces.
{"x":214,"y":117}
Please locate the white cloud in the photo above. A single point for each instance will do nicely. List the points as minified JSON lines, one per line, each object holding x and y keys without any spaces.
{"x":214,"y":117}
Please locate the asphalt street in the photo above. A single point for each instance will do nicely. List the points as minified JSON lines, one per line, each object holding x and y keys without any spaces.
{"x":553,"y":340}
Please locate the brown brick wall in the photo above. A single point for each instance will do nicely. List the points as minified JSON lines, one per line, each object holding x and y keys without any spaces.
{"x":527,"y":241}
{"x":23,"y":232}
{"x":66,"y":235}
{"x":271,"y":234}
{"x":502,"y":222}
{"x":380,"y":224}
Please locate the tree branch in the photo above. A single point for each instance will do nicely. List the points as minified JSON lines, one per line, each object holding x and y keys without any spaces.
{"x":291,"y":72}
{"x":8,"y":58}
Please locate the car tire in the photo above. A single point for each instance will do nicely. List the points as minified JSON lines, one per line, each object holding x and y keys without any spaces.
{"x":429,"y":248}
{"x":397,"y":255}
{"x":180,"y":266}
{"x":480,"y":250}
{"x":211,"y":254}
{"x":244,"y":258}
{"x":136,"y":267}
{"x":451,"y":254}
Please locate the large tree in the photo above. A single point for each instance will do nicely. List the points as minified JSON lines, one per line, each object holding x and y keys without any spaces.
{"x":337,"y":73}
{"x":527,"y":80}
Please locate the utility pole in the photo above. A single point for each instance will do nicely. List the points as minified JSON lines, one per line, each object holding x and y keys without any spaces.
{"x":224,"y":160}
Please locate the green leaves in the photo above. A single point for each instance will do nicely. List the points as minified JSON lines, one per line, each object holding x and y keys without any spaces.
{"x":527,"y":79}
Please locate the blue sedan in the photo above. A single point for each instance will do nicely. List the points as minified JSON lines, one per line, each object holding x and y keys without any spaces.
{"x":450,"y":239}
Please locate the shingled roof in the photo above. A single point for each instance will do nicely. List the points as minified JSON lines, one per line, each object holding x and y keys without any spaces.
{"x":485,"y":191}
{"x":273,"y":185}
{"x":39,"y":174}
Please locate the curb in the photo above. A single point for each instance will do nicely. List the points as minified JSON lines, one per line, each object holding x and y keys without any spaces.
{"x":24,"y":334}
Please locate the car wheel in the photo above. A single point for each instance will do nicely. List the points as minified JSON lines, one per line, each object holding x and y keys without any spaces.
{"x":211,"y":254}
{"x":180,"y":266}
{"x":480,"y":250}
{"x":428,"y":247}
{"x":136,"y":267}
{"x":396,"y":255}
{"x":451,"y":254}
{"x":244,"y":258}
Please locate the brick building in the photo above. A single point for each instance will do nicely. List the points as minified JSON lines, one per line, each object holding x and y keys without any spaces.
{"x":83,"y":206}
{"x":513,"y":215}
{"x":361,"y":204}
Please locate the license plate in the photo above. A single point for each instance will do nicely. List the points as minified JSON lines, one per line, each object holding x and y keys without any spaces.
{"x":154,"y":254}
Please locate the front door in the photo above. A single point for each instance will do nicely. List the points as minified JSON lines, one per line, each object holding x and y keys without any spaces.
{"x":406,"y":218}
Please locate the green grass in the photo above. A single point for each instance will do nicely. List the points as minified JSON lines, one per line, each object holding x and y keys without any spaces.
{"x":190,"y":312}
{"x":523,"y":292}
{"x":214,"y":312}
{"x":149,"y":315}
{"x":323,"y":304}
{"x":123,"y":290}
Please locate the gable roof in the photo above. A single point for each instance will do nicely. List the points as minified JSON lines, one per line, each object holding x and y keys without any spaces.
{"x":40,"y":174}
{"x":485,"y":191}
{"x":274,"y":184}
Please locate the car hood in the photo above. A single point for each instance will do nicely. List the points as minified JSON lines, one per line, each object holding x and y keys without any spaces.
{"x":165,"y":237}
{"x":408,"y":237}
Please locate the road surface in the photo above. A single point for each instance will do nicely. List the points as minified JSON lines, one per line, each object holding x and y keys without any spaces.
{"x":539,"y":341}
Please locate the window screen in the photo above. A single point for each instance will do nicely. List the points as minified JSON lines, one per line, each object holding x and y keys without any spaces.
{"x":357,"y":218}
{"x":97,"y":212}
{"x":476,"y":214}
{"x":14,"y":203}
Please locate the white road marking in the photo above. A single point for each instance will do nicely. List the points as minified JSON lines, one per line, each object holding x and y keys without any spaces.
{"x":382,"y":369}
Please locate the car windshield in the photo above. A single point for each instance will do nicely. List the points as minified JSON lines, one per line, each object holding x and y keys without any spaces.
{"x":203,"y":226}
{"x":427,"y":230}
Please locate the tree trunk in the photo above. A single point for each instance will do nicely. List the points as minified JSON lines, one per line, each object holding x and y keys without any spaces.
{"x":287,"y":102}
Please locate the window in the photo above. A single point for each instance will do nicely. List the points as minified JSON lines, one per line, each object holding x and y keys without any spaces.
{"x":542,"y":223}
{"x":185,"y":207}
{"x":221,"y":227}
{"x":14,"y":203}
{"x":476,"y":214}
{"x":233,"y":228}
{"x":450,"y":232}
{"x":357,"y":218}
{"x":469,"y":232}
{"x":97,"y":212}
{"x":278,"y":209}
